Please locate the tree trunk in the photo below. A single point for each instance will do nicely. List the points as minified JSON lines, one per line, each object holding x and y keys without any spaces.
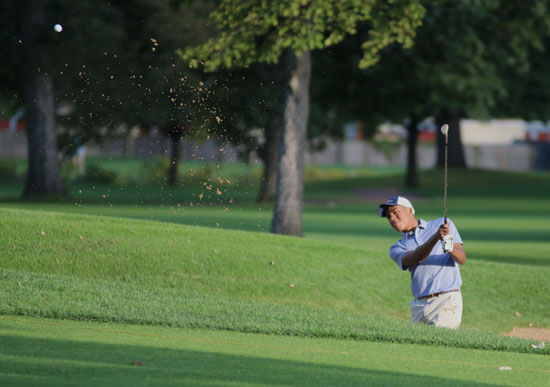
{"x":43,"y":176}
{"x":455,"y":149}
{"x":289,"y":189}
{"x":269,"y":156}
{"x":175,"y":141}
{"x":411,"y":179}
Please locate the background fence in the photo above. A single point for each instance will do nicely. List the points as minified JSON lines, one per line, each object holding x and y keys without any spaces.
{"x":513,"y":157}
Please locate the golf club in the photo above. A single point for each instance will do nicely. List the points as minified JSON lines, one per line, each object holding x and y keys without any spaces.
{"x":445,"y":131}
{"x":447,"y":242}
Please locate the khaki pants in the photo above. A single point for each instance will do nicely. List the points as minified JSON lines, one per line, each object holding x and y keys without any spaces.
{"x":444,"y":310}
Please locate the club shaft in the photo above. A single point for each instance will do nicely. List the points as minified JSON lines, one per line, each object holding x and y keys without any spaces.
{"x":445,"y":191}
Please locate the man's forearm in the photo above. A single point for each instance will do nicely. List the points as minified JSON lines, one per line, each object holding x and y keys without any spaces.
{"x":458,"y":254}
{"x":420,"y":253}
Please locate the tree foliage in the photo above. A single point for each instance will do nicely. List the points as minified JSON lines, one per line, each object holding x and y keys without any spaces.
{"x":129,"y":74}
{"x":528,"y":92}
{"x":470,"y":59}
{"x":260,"y":31}
{"x":113,"y":67}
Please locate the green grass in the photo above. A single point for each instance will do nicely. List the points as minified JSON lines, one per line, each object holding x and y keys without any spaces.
{"x":60,"y":297}
{"x":153,"y":257}
{"x":67,"y":353}
{"x":133,"y":254}
{"x":143,"y":181}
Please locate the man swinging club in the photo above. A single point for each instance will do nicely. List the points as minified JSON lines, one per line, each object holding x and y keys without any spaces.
{"x":431,"y":252}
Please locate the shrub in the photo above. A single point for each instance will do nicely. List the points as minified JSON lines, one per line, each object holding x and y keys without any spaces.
{"x":313,"y":173}
{"x":97,"y":174}
{"x":197,"y":176}
{"x":388,"y":148}
{"x":154,"y":171}
{"x":8,"y":171}
{"x":67,"y":170}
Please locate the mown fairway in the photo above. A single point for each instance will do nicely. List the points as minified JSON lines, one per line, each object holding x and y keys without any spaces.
{"x":62,"y":260}
{"x":38,"y":352}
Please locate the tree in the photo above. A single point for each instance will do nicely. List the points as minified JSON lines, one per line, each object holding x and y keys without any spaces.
{"x":249,"y":100}
{"x":252,"y":97}
{"x":113,"y":66}
{"x":130,"y":77}
{"x":383,"y":92}
{"x":40,"y":68}
{"x":28,"y":39}
{"x":43,"y":177}
{"x":497,"y":38}
{"x":411,"y":175}
{"x":528,"y":92}
{"x":455,"y":69}
{"x":177,"y":98}
{"x":262,"y":31}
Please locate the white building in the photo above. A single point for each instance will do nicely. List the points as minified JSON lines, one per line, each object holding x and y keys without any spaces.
{"x":493,"y":132}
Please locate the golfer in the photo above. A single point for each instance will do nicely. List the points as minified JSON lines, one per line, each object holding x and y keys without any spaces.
{"x":431,"y":252}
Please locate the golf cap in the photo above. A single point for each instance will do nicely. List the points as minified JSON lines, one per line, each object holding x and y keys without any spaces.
{"x":394,"y":201}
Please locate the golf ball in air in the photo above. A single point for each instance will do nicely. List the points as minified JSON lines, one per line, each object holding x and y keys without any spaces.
{"x":58,"y":28}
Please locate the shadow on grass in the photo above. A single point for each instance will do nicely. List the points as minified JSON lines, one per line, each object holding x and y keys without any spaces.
{"x":161,"y":194}
{"x":518,"y":260}
{"x":334,"y":224}
{"x":33,"y":361}
{"x":384,"y":230}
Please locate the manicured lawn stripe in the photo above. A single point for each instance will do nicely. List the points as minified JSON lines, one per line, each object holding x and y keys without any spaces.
{"x":54,"y":296}
{"x":57,"y":352}
{"x":236,"y":264}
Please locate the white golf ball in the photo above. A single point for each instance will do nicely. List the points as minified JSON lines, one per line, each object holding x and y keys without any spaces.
{"x":58,"y":28}
{"x":445,"y":129}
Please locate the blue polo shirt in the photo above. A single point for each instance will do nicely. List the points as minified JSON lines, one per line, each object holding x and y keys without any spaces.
{"x":438,"y":272}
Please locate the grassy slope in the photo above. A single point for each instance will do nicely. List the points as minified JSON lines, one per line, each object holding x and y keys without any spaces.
{"x":502,"y":218}
{"x":67,"y":353}
{"x":144,"y":271}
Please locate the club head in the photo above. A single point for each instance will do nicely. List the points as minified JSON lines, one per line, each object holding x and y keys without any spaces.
{"x":445,"y":129}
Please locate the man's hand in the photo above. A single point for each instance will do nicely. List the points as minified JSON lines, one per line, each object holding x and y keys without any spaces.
{"x":445,"y":237}
{"x":444,"y":230}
